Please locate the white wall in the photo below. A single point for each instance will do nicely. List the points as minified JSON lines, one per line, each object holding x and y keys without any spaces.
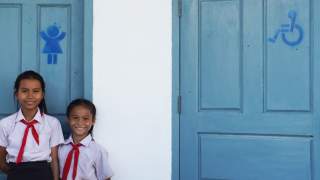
{"x":132,"y":86}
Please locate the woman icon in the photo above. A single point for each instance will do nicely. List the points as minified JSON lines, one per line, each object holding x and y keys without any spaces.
{"x":52,"y":46}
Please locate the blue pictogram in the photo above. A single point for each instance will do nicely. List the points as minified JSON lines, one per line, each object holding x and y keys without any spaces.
{"x":52,"y":37}
{"x":291,"y":28}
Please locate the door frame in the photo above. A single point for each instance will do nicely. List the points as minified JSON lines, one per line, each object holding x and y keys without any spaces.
{"x":87,"y":47}
{"x":176,"y":100}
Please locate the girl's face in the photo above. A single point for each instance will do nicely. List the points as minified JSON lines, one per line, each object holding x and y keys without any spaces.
{"x":80,"y":121}
{"x":29,"y":94}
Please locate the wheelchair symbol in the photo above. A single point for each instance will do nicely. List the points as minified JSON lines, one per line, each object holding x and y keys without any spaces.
{"x":291,"y":28}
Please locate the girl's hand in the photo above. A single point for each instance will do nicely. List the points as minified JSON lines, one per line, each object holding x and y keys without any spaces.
{"x":4,"y":167}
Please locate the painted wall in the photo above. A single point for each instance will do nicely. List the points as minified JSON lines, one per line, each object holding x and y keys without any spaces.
{"x":132,"y":86}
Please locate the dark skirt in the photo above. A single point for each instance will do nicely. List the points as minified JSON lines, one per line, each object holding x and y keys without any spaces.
{"x":39,"y":170}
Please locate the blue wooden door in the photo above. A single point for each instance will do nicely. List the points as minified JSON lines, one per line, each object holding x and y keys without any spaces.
{"x":250,"y":90}
{"x":45,"y":36}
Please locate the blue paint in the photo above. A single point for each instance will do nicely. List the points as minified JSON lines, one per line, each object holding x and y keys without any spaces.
{"x":52,"y":47}
{"x":289,"y":28}
{"x":274,"y":132}
{"x":88,"y":31}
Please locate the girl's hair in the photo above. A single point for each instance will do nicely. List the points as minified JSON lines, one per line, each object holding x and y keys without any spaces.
{"x":87,"y":104}
{"x":36,"y":76}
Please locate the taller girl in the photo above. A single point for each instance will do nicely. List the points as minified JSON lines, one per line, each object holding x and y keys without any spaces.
{"x":29,"y":138}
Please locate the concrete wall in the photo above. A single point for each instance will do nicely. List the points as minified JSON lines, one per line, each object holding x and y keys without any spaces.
{"x":132,"y":78}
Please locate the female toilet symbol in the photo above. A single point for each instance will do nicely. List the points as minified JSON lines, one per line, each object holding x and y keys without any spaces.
{"x":52,"y":37}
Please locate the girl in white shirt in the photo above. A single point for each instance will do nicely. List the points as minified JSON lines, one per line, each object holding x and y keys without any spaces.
{"x":80,"y":157}
{"x":29,"y":138}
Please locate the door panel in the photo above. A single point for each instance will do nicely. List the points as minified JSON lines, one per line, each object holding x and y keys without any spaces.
{"x":225,"y":156}
{"x":220,"y":89}
{"x":283,"y":88}
{"x":10,"y":47}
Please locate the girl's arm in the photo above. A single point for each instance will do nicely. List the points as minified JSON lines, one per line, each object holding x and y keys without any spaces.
{"x":3,"y":164}
{"x":55,"y":163}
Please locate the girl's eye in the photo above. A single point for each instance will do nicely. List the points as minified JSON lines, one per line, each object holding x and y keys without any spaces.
{"x":36,"y":90}
{"x":23,"y":90}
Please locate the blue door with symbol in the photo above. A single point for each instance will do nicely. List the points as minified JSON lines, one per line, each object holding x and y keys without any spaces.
{"x":250,"y":90}
{"x":47,"y":36}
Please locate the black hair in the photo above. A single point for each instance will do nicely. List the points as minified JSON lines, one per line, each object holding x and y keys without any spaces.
{"x":86,"y":103}
{"x":36,"y":76}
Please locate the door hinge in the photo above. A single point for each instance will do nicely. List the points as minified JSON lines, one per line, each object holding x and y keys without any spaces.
{"x":179,"y":104}
{"x":179,"y":8}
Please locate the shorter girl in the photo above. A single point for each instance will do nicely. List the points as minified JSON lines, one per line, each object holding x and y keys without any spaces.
{"x":80,"y":157}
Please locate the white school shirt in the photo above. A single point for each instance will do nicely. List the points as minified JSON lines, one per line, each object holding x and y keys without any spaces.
{"x":12,"y":131}
{"x":93,"y":160}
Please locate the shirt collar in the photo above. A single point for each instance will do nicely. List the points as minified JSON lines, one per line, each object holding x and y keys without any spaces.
{"x":37,"y":117}
{"x":86,"y":141}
